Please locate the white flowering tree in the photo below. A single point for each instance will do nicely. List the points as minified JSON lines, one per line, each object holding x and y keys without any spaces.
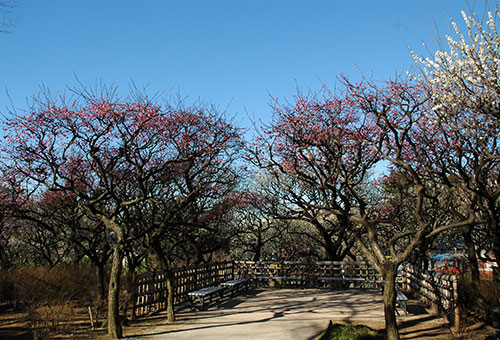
{"x":464,"y":80}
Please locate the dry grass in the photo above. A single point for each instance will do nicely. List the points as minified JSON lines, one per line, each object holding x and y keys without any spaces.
{"x":51,"y":300}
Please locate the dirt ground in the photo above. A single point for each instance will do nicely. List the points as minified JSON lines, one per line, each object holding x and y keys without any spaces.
{"x":15,"y":325}
{"x":307,"y":314}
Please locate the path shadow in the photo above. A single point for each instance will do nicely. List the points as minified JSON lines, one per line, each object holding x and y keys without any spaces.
{"x":173,"y":331}
{"x":341,"y":306}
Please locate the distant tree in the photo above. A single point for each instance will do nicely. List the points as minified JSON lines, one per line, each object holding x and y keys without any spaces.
{"x":292,"y":205}
{"x":54,"y":225}
{"x":259,"y":233}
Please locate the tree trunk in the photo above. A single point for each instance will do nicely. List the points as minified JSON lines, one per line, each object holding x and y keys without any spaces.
{"x":114,"y":326}
{"x":133,"y":295}
{"x":496,"y":252}
{"x":258,"y":248}
{"x":256,"y":256}
{"x":101,"y":286}
{"x":330,"y":248}
{"x":165,"y":266}
{"x":493,"y":223}
{"x":391,"y":326}
{"x":471,"y":256}
{"x":198,"y":256}
{"x":171,"y":295}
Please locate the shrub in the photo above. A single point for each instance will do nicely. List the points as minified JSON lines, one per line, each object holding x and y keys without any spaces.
{"x":352,"y":332}
{"x":478,"y":306}
{"x":48,"y":296}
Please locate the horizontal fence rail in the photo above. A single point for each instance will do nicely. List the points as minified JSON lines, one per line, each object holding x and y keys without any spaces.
{"x":308,"y":272}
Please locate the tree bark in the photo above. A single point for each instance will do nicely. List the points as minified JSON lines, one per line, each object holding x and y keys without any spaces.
{"x":256,"y":256}
{"x":331,"y":249}
{"x":391,"y":326}
{"x":258,"y":247}
{"x":171,"y":295}
{"x":114,"y":326}
{"x":198,"y":256}
{"x":494,"y":225}
{"x":471,"y":256}
{"x":169,"y":274}
{"x":133,"y":295}
{"x":99,"y":267}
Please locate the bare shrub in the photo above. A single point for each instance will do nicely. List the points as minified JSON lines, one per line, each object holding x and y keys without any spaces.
{"x":478,"y":307}
{"x":49,"y":296}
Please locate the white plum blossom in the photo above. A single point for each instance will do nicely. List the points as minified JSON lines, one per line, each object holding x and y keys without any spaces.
{"x":464,"y":80}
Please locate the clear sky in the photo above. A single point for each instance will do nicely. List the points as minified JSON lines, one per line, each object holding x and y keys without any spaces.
{"x":232,"y":53}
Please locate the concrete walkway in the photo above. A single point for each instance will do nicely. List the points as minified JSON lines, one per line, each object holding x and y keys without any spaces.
{"x":276,"y":314}
{"x":287,"y":314}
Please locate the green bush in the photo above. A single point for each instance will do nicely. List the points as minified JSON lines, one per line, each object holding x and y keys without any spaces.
{"x":352,"y":332}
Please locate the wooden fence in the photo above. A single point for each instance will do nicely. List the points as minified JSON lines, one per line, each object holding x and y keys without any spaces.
{"x":436,"y":290}
{"x":309,"y":272}
{"x":151,"y":288}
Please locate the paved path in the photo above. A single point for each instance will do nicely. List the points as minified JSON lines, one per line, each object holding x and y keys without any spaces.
{"x":274,"y":314}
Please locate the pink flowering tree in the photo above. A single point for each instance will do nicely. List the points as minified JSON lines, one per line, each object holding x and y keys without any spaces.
{"x":115,"y":156}
{"x":211,"y":179}
{"x":331,"y":144}
{"x":416,"y":149}
{"x":193,"y":216}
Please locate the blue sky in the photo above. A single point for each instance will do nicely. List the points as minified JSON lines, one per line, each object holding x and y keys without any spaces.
{"x":232,"y":53}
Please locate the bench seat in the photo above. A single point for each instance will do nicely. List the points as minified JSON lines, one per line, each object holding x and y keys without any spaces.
{"x":401,"y":298}
{"x":234,"y":286}
{"x":204,"y":294}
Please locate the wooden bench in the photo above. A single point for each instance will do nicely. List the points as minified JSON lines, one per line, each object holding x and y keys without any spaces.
{"x":280,"y":279}
{"x":204,"y":294}
{"x":234,"y":286}
{"x":401,"y":298}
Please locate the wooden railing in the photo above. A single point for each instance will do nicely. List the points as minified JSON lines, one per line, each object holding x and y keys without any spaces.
{"x":436,"y":290}
{"x":308,"y":271}
{"x":151,"y":288}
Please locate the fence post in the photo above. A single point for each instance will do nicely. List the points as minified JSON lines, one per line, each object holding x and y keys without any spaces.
{"x":456,"y":308}
{"x":407,"y":277}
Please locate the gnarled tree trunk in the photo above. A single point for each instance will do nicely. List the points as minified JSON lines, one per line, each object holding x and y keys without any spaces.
{"x":391,"y":326}
{"x":114,"y":326}
{"x":165,"y":266}
{"x":99,"y":267}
